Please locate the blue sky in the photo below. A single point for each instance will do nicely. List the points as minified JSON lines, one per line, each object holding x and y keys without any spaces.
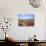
{"x":25,"y":16}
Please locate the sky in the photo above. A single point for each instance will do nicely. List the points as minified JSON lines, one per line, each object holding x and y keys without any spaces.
{"x":25,"y":16}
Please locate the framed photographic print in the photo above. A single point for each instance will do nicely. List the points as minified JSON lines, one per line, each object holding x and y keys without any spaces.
{"x":25,"y":19}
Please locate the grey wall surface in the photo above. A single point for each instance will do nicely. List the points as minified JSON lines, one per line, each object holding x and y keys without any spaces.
{"x":10,"y":8}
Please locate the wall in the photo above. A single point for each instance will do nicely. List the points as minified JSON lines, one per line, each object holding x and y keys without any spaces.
{"x":10,"y":8}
